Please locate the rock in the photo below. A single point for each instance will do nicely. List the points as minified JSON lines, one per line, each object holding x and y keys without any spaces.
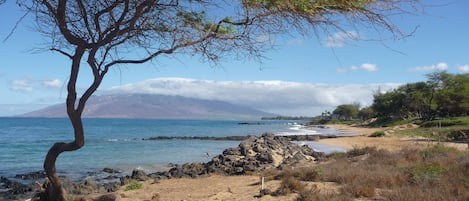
{"x":188,"y":170}
{"x":232,"y":151}
{"x":259,"y":153}
{"x":125,"y":180}
{"x":110,"y":170}
{"x":32,"y":175}
{"x":159,"y":175}
{"x":11,"y":190}
{"x":139,"y":175}
{"x":108,"y":197}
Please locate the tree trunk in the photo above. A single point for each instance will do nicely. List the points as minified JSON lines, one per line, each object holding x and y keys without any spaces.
{"x":53,"y":186}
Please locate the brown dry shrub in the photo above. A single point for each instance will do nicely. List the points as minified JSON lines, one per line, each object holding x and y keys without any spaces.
{"x":412,"y":193}
{"x":270,"y":174}
{"x":359,"y":190}
{"x":290,"y":185}
{"x":339,"y":171}
{"x":310,"y":173}
{"x":318,"y":195}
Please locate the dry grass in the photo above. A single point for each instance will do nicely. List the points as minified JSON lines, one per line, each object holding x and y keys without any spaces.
{"x":434,"y":173}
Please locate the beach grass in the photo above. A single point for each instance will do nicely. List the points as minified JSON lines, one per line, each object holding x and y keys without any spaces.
{"x":434,"y":173}
{"x":134,"y":186}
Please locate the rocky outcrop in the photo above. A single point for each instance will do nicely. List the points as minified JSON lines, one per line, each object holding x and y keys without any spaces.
{"x":251,"y":155}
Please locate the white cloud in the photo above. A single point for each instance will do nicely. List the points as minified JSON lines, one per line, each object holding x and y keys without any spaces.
{"x":369,"y":67}
{"x":286,"y":98}
{"x":30,"y":84}
{"x":24,"y":85}
{"x":463,"y":69}
{"x":52,"y":83}
{"x":437,"y":67}
{"x":340,"y":39}
{"x":366,"y":67}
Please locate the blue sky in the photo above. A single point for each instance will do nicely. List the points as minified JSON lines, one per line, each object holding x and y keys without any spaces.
{"x":321,"y":71}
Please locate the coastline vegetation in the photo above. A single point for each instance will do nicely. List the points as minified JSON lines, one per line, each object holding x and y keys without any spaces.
{"x":439,"y":107}
{"x":432,"y":173}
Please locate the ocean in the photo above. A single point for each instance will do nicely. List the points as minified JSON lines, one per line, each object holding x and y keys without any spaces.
{"x":119,"y":144}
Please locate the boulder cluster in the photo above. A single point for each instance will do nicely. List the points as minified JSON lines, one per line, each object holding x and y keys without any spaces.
{"x":252,"y":154}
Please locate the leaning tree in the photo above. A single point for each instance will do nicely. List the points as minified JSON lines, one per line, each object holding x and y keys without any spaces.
{"x":99,"y":35}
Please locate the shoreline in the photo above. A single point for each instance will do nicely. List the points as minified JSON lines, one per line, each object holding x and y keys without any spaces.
{"x":390,"y":143}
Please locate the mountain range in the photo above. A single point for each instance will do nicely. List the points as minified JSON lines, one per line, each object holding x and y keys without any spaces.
{"x":154,"y":107}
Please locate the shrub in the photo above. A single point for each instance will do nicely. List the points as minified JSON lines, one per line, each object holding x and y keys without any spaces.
{"x":133,"y":186}
{"x":290,"y":185}
{"x":423,"y":172}
{"x":439,"y":150}
{"x":446,"y":122}
{"x":365,"y":190}
{"x":316,"y":194}
{"x":377,"y":134}
{"x":361,"y":151}
{"x":311,"y":174}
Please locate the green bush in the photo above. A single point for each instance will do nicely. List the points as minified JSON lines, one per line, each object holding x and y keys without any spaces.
{"x":133,"y":186}
{"x":458,"y":134}
{"x":446,"y":122}
{"x":426,"y":172}
{"x":361,"y":151}
{"x":377,"y":134}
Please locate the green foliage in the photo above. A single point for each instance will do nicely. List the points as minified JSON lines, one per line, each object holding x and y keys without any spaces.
{"x":456,"y":134}
{"x":347,"y":111}
{"x":377,"y":134}
{"x":426,"y":172}
{"x":366,"y":113}
{"x":134,"y":186}
{"x":437,"y":151}
{"x":444,"y":95}
{"x":361,"y":151}
{"x":308,"y":6}
{"x":447,"y":122}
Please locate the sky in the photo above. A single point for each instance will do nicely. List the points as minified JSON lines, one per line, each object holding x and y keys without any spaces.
{"x":302,"y":76}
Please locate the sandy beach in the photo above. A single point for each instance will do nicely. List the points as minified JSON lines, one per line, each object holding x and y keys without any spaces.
{"x":216,"y":187}
{"x":391,"y":143}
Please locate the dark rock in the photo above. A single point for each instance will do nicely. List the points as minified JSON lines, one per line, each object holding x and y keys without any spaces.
{"x":188,"y":170}
{"x":139,"y":175}
{"x":110,"y":171}
{"x":159,"y":175}
{"x":11,"y":190}
{"x":107,"y":197}
{"x":259,"y":153}
{"x":125,"y":180}
{"x":32,"y":175}
{"x":232,"y":151}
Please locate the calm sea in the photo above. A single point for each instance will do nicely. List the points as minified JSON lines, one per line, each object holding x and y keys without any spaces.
{"x":117,"y":143}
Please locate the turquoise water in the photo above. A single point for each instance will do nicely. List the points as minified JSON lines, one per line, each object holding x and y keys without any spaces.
{"x":117,"y":143}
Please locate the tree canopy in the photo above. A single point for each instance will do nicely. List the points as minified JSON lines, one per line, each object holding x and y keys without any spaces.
{"x":443,"y":95}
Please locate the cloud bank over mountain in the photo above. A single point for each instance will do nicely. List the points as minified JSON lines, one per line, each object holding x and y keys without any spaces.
{"x":280,"y":97}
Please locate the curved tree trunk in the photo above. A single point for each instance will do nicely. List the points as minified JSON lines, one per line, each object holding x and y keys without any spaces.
{"x":54,"y":190}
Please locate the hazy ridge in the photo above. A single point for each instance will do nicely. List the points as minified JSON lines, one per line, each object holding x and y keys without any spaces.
{"x":153,"y":106}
